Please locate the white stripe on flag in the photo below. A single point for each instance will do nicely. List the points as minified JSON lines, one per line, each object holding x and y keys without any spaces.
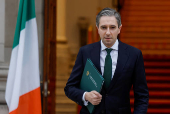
{"x":23,"y":74}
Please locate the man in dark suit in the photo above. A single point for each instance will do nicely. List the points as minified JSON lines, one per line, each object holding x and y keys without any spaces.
{"x":127,"y":69}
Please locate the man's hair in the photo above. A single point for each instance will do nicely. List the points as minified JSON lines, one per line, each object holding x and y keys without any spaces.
{"x":108,"y":12}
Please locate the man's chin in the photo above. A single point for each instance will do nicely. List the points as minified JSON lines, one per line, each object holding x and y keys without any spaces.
{"x":108,"y":45}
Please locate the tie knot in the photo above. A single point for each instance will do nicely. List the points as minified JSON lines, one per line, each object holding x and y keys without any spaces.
{"x":108,"y":50}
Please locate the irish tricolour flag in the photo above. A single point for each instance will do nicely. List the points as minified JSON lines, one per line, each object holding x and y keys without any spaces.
{"x":23,"y":83}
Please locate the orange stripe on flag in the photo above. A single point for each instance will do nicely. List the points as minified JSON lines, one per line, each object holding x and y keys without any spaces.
{"x":29,"y":103}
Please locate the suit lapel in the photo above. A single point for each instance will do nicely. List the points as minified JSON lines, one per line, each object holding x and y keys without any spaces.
{"x":122,"y":59}
{"x":95,"y":55}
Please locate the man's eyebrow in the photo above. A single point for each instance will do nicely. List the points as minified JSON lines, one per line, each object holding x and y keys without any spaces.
{"x":106,"y":25}
{"x":113,"y":25}
{"x":102,"y":26}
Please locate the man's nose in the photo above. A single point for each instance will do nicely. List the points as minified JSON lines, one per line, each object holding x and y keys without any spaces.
{"x":108,"y":32}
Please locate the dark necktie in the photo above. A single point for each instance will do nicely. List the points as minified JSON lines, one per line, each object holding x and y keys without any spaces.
{"x":108,"y":68}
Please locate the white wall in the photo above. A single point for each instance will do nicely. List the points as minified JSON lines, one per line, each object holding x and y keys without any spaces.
{"x":11,"y":12}
{"x":2,"y":29}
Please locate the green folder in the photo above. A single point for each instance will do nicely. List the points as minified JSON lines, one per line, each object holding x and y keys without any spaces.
{"x":91,"y":80}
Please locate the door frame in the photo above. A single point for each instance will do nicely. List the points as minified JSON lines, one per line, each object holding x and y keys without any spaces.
{"x":49,"y":61}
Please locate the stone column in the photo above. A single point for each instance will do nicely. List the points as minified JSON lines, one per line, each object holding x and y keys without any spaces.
{"x":3,"y":65}
{"x":2,"y":29}
{"x":61,"y":21}
{"x":63,"y":104}
{"x":3,"y":78}
{"x":62,"y":45}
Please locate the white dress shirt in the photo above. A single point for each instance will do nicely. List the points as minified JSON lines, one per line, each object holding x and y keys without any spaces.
{"x":113,"y":54}
{"x":103,"y":53}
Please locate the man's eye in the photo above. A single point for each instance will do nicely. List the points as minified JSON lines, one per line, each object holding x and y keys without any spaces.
{"x":112,"y":27}
{"x":103,"y":27}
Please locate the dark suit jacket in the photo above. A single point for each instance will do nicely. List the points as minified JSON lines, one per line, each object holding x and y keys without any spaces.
{"x":116,"y":99}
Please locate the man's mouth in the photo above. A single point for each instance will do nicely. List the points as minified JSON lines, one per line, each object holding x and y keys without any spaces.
{"x":107,"y":38}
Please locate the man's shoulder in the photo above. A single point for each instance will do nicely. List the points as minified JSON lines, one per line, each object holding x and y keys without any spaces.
{"x":90,"y":46}
{"x":130,"y":48}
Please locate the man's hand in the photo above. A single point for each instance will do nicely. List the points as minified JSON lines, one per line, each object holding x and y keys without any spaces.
{"x":93,"y":97}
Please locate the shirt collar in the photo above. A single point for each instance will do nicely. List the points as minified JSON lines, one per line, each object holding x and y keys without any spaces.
{"x":114,"y":47}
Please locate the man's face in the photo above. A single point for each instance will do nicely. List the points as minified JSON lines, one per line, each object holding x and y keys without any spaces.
{"x":108,"y":30}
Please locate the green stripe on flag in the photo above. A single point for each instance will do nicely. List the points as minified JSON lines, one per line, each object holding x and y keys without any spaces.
{"x":25,"y":13}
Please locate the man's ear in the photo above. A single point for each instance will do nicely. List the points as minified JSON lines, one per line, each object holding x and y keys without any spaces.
{"x":120,"y":28}
{"x":97,"y":27}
